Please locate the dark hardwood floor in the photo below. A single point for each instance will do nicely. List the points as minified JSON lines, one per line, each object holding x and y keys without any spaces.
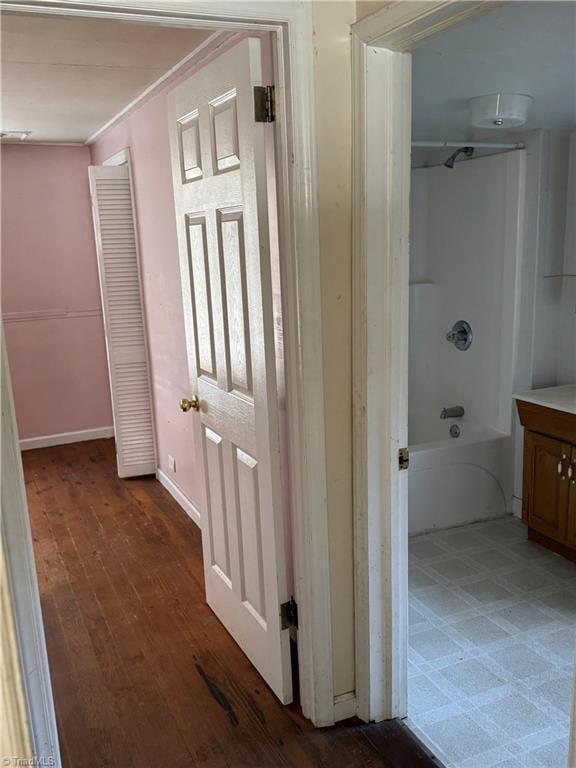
{"x":143,"y":673}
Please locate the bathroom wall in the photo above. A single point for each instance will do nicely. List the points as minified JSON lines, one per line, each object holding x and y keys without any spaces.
{"x":555,"y":311}
{"x":567,"y":362}
{"x":50,"y":294}
{"x":567,"y":352}
{"x":549,"y":270}
{"x":464,"y":242}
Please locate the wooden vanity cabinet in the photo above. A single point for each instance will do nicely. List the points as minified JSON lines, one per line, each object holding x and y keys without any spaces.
{"x":549,"y":492}
{"x":571,"y":519}
{"x":545,"y":485}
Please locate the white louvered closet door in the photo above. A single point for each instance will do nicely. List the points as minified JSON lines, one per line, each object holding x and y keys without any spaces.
{"x":119,"y":270}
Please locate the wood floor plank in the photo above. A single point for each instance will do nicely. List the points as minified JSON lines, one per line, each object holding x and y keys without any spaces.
{"x":117,"y":645}
{"x":143,"y":672}
{"x":92,"y":700}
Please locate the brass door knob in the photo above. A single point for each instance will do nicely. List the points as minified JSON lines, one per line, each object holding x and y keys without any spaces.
{"x":192,"y":404}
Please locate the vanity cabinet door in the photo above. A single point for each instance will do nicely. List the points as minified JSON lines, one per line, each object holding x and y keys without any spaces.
{"x":571,"y":518}
{"x":546,"y":485}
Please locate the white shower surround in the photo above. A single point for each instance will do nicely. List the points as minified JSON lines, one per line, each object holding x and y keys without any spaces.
{"x":466,"y":246}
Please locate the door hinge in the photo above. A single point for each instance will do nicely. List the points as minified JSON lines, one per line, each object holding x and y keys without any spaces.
{"x":289,"y":614}
{"x":403,"y":458}
{"x":264,"y":104}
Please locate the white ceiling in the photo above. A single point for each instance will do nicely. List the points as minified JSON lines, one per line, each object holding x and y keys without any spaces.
{"x":63,"y":79}
{"x":522,"y":47}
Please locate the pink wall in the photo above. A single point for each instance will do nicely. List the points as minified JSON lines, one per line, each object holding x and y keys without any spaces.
{"x":50,"y":294}
{"x":145,"y":132}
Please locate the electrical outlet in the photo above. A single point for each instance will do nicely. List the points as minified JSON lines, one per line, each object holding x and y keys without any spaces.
{"x":172,"y":463}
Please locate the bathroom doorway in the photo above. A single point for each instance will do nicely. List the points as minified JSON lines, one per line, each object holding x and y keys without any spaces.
{"x":456,"y":311}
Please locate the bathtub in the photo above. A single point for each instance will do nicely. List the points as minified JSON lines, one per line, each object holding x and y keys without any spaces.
{"x":458,"y":480}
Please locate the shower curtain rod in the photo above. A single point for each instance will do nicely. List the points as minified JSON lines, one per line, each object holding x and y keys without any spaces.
{"x":475,"y":144}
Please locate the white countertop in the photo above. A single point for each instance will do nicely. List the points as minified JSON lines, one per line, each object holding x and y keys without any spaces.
{"x":560,"y":398}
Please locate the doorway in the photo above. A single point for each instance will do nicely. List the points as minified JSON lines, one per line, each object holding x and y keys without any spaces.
{"x":395,"y":493}
{"x":294,"y":239}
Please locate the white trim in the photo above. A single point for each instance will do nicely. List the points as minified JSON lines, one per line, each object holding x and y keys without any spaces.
{"x":205,"y":48}
{"x":345,"y":706}
{"x":233,"y":15}
{"x":32,"y":143}
{"x":381,"y":533}
{"x":45,"y":441}
{"x":298,"y":229}
{"x":291,"y":26}
{"x":381,"y":85}
{"x":398,"y":26}
{"x":23,"y":583}
{"x":192,"y":512}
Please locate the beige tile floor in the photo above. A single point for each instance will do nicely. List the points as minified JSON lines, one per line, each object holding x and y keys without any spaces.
{"x":492,"y":635}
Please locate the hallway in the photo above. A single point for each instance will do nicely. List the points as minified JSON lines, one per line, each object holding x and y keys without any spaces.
{"x":143,"y":672}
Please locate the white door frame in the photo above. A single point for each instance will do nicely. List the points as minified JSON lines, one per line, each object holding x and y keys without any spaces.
{"x":32,"y":721}
{"x":381,"y":109}
{"x":291,"y":26}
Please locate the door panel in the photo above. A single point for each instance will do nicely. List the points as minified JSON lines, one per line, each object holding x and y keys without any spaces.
{"x":234,"y":300}
{"x":200,"y":300}
{"x":547,"y":491}
{"x":216,"y":512}
{"x":249,"y":523}
{"x":220,"y":187}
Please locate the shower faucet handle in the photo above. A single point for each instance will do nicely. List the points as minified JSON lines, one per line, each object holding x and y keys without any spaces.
{"x":460,"y":335}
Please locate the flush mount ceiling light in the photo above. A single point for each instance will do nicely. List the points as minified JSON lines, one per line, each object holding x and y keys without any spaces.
{"x":14,"y":135}
{"x":499,"y":110}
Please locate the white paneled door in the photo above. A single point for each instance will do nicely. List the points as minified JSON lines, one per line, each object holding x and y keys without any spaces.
{"x":124,"y":323}
{"x":219,"y":173}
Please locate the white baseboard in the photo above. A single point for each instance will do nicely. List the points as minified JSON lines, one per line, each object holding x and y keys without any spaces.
{"x":177,"y":494}
{"x":517,"y":507}
{"x":45,"y":441}
{"x":345,"y":706}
